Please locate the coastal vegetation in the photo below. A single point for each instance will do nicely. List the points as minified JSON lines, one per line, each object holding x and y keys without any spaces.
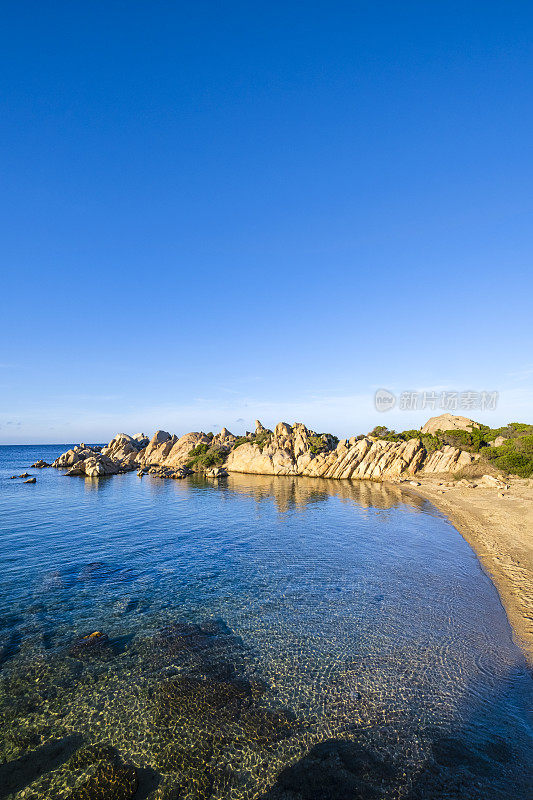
{"x":262,"y":439}
{"x":509,"y":448}
{"x":322,"y":443}
{"x":204,"y":456}
{"x":240,"y":440}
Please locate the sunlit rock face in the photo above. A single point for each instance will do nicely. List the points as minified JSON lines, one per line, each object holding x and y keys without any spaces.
{"x":296,"y":451}
{"x":287,"y":450}
{"x":449,"y":422}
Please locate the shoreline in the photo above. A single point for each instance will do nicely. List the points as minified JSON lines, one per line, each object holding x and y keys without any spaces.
{"x":499,"y":529}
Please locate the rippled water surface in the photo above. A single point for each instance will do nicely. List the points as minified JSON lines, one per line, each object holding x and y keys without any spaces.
{"x":284,"y":638}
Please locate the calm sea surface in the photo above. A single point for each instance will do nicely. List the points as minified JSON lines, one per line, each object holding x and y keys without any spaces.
{"x":258,"y":637}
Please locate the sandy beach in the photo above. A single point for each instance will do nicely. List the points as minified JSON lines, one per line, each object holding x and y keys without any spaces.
{"x":500,"y":530}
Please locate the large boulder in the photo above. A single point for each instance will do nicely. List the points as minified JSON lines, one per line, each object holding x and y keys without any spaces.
{"x":75,"y":454}
{"x":448,"y":422}
{"x":158,"y":448}
{"x":124,"y":449}
{"x":94,"y":467}
{"x":178,"y":454}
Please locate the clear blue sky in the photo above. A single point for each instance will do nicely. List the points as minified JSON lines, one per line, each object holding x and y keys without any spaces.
{"x":216,"y":211}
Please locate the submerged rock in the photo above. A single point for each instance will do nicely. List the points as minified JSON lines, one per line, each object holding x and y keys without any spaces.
{"x":334,"y":769}
{"x":94,"y":645}
{"x":227,"y":708}
{"x":109,"y":777}
{"x":40,"y":464}
{"x":31,"y":480}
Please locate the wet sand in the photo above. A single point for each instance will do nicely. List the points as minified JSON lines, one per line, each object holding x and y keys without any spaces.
{"x":500,"y":531}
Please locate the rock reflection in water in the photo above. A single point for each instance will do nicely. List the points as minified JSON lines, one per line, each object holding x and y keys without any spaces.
{"x":289,"y":492}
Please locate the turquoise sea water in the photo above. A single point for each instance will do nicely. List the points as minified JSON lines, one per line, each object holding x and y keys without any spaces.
{"x":257,"y":637}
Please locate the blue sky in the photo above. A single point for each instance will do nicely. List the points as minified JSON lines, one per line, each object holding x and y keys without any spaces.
{"x":213,"y":212}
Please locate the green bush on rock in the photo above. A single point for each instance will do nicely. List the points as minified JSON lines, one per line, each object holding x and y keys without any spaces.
{"x":204,"y":456}
{"x":240,"y":440}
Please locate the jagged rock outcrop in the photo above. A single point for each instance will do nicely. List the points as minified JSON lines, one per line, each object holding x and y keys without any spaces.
{"x":224,"y":439}
{"x":95,"y":466}
{"x":290,"y":451}
{"x":287,"y":450}
{"x":449,"y":459}
{"x":178,"y":455}
{"x":157,"y":449}
{"x":125,"y":449}
{"x":78,"y":453}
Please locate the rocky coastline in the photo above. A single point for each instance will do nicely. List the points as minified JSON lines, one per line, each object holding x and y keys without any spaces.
{"x":287,"y":450}
{"x":493,"y":512}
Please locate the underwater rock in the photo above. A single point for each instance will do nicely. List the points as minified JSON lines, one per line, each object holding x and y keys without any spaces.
{"x":97,"y":571}
{"x":111,"y":779}
{"x":91,"y":754}
{"x":192,"y":697}
{"x":225,"y":707}
{"x":9,"y":646}
{"x":178,"y":637}
{"x":334,"y":769}
{"x":93,"y":645}
{"x":264,"y":726}
{"x":211,"y":647}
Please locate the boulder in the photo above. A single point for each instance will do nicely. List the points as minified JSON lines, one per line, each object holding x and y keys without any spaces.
{"x":492,"y":482}
{"x":124,"y":449}
{"x":448,"y":422}
{"x":178,"y":455}
{"x":40,"y":464}
{"x":216,"y":472}
{"x":94,"y":467}
{"x":71,"y":457}
{"x":158,"y":448}
{"x":31,"y":480}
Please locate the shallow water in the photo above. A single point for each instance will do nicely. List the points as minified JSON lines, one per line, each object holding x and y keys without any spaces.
{"x":277,"y":637}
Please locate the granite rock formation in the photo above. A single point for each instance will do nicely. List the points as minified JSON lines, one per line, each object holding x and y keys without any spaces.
{"x":448,"y":422}
{"x":287,"y":450}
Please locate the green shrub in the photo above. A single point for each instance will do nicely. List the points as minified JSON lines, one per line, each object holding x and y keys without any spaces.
{"x":380,"y":432}
{"x":240,"y":440}
{"x":204,"y":456}
{"x":514,"y":456}
{"x":318,"y":443}
{"x":472,"y":440}
{"x":431,"y":441}
{"x":411,"y":434}
{"x":263,"y":439}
